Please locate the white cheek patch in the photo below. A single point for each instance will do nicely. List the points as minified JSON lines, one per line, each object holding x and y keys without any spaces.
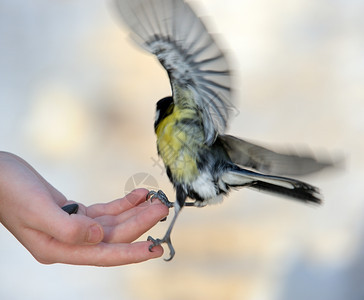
{"x":157,"y":114}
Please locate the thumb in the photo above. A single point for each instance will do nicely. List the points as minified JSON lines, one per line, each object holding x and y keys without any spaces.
{"x":70,"y":229}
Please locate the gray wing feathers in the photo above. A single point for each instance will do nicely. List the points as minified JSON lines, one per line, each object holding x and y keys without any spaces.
{"x":172,"y":31}
{"x":267,"y":161}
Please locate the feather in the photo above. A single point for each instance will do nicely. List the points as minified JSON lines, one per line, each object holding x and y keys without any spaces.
{"x":172,"y":31}
{"x":282,"y":186}
{"x":249,"y":155}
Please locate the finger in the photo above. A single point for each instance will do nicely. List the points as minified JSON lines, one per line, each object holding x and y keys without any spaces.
{"x":119,"y":205}
{"x":135,"y":226}
{"x":102,"y":254}
{"x":73,"y":229}
{"x":110,"y":220}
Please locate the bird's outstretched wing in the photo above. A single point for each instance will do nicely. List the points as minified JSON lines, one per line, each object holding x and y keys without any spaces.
{"x":172,"y":31}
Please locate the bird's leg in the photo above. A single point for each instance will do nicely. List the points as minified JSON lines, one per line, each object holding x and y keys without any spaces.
{"x":178,"y":205}
{"x":161,"y":196}
{"x":167,"y":237}
{"x":195,"y":204}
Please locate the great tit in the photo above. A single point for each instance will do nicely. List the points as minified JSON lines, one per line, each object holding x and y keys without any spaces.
{"x":201,"y":161}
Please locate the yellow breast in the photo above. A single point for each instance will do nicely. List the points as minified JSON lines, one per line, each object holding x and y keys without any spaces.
{"x":177,"y":146}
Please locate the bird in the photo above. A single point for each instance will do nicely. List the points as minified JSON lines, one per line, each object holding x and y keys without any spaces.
{"x":203,"y":162}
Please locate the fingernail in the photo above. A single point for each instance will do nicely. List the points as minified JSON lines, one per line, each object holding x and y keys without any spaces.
{"x":94,"y":234}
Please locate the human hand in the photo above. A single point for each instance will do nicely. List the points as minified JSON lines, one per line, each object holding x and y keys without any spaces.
{"x":100,"y":235}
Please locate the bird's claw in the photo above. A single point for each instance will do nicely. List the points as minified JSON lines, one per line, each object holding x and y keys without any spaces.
{"x":160,"y":195}
{"x":157,"y":242}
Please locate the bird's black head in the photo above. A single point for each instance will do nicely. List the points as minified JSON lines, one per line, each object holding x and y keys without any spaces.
{"x":164,"y":108}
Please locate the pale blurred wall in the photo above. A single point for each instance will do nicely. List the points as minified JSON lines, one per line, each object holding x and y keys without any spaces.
{"x":77,"y":101}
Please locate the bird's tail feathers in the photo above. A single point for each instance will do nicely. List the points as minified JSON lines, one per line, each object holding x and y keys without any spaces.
{"x":282,"y":186}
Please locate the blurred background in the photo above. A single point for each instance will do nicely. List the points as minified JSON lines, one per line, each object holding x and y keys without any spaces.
{"x":77,"y":102}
